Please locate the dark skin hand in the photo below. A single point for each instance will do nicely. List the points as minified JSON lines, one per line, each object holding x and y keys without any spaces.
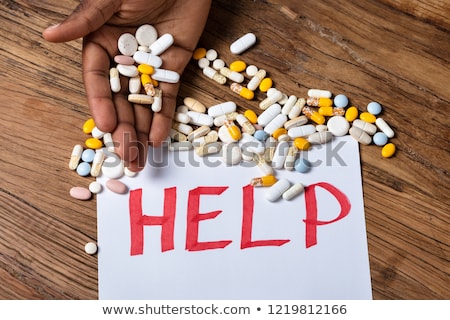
{"x":100,"y":23}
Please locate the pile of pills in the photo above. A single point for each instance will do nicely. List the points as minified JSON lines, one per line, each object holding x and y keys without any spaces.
{"x":277,"y":138}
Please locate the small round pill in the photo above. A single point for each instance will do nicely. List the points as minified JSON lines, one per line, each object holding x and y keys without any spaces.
{"x":146,"y":34}
{"x":199,"y":53}
{"x":302,"y":165}
{"x":80,"y":193}
{"x":211,"y":55}
{"x":95,"y":187}
{"x":83,"y":169}
{"x":88,"y":155}
{"x":251,"y":70}
{"x":388,"y":150}
{"x":340,"y":101}
{"x":338,"y":126}
{"x":127,"y":44}
{"x":261,"y":135}
{"x":112,"y":167}
{"x":218,"y":64}
{"x":374,"y":108}
{"x":90,"y":248}
{"x":203,"y":63}
{"x":380,"y":138}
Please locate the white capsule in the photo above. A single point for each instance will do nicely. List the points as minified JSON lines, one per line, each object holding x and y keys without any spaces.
{"x":289,"y":104}
{"x":146,"y":35}
{"x":157,"y":101}
{"x":270,"y":100}
{"x":165,"y":76}
{"x":161,"y":44}
{"x":243,"y":43}
{"x":209,"y":148}
{"x":301,"y":131}
{"x":276,"y":191}
{"x":222,"y":108}
{"x":245,"y":124}
{"x":199,"y":132}
{"x":270,"y":145}
{"x":251,"y":144}
{"x":232,"y":75}
{"x":181,"y":117}
{"x":214,"y":75}
{"x":256,"y":80}
{"x":200,"y":119}
{"x":134,"y":84}
{"x":320,"y":137}
{"x":295,"y":122}
{"x":280,"y":154}
{"x":108,"y":142}
{"x":276,"y":123}
{"x":220,"y":120}
{"x":127,"y":70}
{"x":231,"y":154}
{"x":127,"y":44}
{"x":370,"y":128}
{"x":142,"y":57}
{"x":75,"y":156}
{"x":360,"y":135}
{"x":180,"y":146}
{"x":182,"y":127}
{"x":263,"y":166}
{"x":269,"y":114}
{"x":295,"y":190}
{"x":383,"y":126}
{"x":290,"y":158}
{"x":114,"y":80}
{"x":97,"y":163}
{"x":176,"y":135}
{"x":140,"y":98}
{"x":297,"y":108}
{"x":318,"y":93}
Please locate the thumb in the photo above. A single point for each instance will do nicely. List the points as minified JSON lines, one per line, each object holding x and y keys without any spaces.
{"x":86,"y":18}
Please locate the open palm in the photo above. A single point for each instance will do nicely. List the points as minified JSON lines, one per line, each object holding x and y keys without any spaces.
{"x":101,"y":23}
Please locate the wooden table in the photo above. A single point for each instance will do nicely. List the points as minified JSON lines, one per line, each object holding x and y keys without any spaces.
{"x":392,"y":51}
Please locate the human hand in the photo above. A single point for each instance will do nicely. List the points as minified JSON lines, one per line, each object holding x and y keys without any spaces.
{"x":100,"y":23}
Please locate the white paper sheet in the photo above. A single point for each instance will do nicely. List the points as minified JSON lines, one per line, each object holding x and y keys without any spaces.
{"x":318,"y":260}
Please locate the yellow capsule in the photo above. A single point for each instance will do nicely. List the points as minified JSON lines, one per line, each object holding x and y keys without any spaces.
{"x":265,"y":181}
{"x":145,"y":69}
{"x":319,"y":102}
{"x":368,"y":117}
{"x":147,"y":83}
{"x":238,"y":66}
{"x":317,"y":118}
{"x":93,"y":143}
{"x":88,"y":126}
{"x":251,"y":116}
{"x":302,"y":144}
{"x":279,"y":132}
{"x":326,"y":111}
{"x":145,"y":78}
{"x":351,"y":114}
{"x":265,"y":84}
{"x":199,"y":53}
{"x":388,"y":150}
{"x":233,"y":130}
{"x":155,"y":82}
{"x":242,"y":91}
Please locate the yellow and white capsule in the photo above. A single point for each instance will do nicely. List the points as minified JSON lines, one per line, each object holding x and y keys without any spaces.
{"x":75,"y":156}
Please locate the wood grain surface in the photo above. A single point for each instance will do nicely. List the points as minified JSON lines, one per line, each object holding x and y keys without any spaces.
{"x":391,"y":51}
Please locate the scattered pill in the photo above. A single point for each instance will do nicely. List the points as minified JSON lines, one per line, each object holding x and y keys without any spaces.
{"x":116,"y":186}
{"x":75,"y":157}
{"x":127,"y":44}
{"x":338,"y":126}
{"x":88,"y":125}
{"x":114,"y":80}
{"x":194,"y":104}
{"x":222,"y":108}
{"x":142,"y":57}
{"x":319,"y":93}
{"x":95,"y":187}
{"x":388,"y":150}
{"x":351,"y":114}
{"x":214,"y":75}
{"x":370,"y":128}
{"x":122,"y":59}
{"x":265,"y":181}
{"x":90,"y":248}
{"x":93,"y":143}
{"x":112,"y":167}
{"x":83,"y":169}
{"x":199,"y":53}
{"x":80,"y":193}
{"x":265,"y":84}
{"x":302,"y":165}
{"x":164,"y":75}
{"x":251,"y":116}
{"x":367,"y":117}
{"x":238,"y":66}
{"x":140,"y":98}
{"x":302,"y":144}
{"x":161,"y":44}
{"x":360,"y":135}
{"x":295,"y":190}
{"x":242,"y":91}
{"x":218,"y":63}
{"x":88,"y":155}
{"x":251,"y":70}
{"x":211,"y":55}
{"x":256,"y":79}
{"x":340,"y":101}
{"x":146,"y":34}
{"x":243,"y":43}
{"x":97,"y":163}
{"x":277,"y":189}
{"x":374,"y":108}
{"x":232,"y":75}
{"x":384,"y":127}
{"x":380,"y":138}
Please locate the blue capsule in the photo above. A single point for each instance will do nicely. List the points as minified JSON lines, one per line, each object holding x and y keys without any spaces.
{"x":340,"y":101}
{"x":88,"y":155}
{"x":374,"y":108}
{"x":380,"y":138}
{"x":84,"y":169}
{"x":302,"y":165}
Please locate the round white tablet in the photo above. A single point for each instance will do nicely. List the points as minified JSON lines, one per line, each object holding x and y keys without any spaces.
{"x":113,"y":167}
{"x":146,"y":35}
{"x":338,"y":126}
{"x":90,"y":248}
{"x":127,"y":44}
{"x":95,"y":187}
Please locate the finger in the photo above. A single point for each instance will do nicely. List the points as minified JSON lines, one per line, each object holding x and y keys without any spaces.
{"x":96,"y":81}
{"x":143,"y":118}
{"x":86,"y":18}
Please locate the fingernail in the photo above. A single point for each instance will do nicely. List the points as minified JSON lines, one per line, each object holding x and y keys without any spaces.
{"x":53,"y":26}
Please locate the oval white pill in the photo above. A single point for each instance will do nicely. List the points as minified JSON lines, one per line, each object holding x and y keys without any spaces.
{"x":293,"y":191}
{"x":127,"y":71}
{"x":383,"y":126}
{"x":134,"y":85}
{"x":161,"y":44}
{"x":222,"y":108}
{"x":200,"y":119}
{"x":276,"y":123}
{"x":280,"y":154}
{"x":318,"y":93}
{"x":302,"y":131}
{"x":338,"y":126}
{"x":90,"y":248}
{"x":142,"y":57}
{"x":146,"y":34}
{"x":277,"y":190}
{"x":243,"y":43}
{"x":269,"y":114}
{"x":231,"y":154}
{"x":127,"y":44}
{"x":166,"y":76}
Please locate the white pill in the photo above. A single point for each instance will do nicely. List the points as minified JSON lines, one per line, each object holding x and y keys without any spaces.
{"x":200,"y":119}
{"x":360,"y":135}
{"x":274,"y":97}
{"x":127,"y":71}
{"x":319,"y":93}
{"x":243,"y":43}
{"x":289,"y":104}
{"x":276,"y":123}
{"x":370,"y":128}
{"x":181,"y":117}
{"x":251,"y":144}
{"x":280,"y":154}
{"x":97,"y":133}
{"x":144,"y":49}
{"x":320,"y":137}
{"x":269,"y":114}
{"x":127,"y":44}
{"x":75,"y":157}
{"x":251,"y":70}
{"x":338,"y":126}
{"x":302,"y":131}
{"x":134,"y":84}
{"x":157,"y":101}
{"x":218,"y":63}
{"x":224,"y":135}
{"x":209,"y":148}
{"x":296,"y":122}
{"x":129,"y":173}
{"x":142,"y":57}
{"x":203,"y":63}
{"x":277,"y":190}
{"x":182,"y":127}
{"x":97,"y":162}
{"x":321,"y":127}
{"x":211,"y":54}
{"x":222,"y":108}
{"x":295,"y":190}
{"x":114,"y":80}
{"x":95,"y":187}
{"x":232,"y":75}
{"x":112,"y":167}
{"x":383,"y":126}
{"x":146,"y":35}
{"x":231,"y":154}
{"x":90,"y":248}
{"x":165,"y":76}
{"x":180,"y":146}
{"x":161,"y":44}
